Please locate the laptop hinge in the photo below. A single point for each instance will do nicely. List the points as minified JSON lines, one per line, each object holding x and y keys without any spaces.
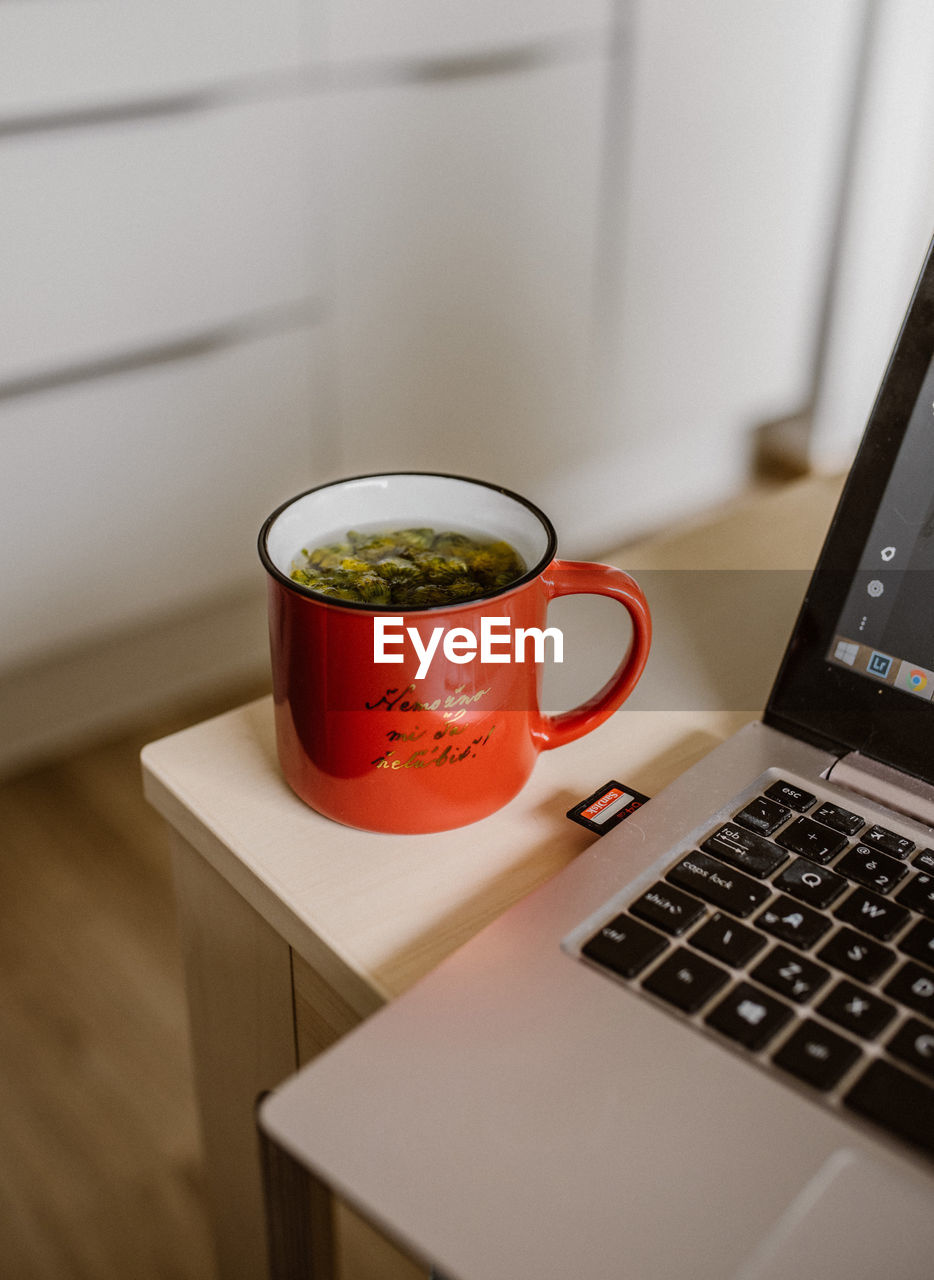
{"x":886,"y":786}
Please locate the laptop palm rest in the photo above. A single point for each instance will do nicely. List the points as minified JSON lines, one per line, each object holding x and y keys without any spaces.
{"x":819,"y":1234}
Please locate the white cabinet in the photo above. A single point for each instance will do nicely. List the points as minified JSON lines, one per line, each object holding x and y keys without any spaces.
{"x":64,"y":55}
{"x":247,"y":246}
{"x":726,"y":139}
{"x":130,"y":497}
{"x":576,"y":247}
{"x":143,"y":231}
{"x":360,"y":30}
{"x":465,"y":239}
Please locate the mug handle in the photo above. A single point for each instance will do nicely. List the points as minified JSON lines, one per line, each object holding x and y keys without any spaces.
{"x":579,"y":577}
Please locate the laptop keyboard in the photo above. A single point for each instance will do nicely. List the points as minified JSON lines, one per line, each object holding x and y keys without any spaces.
{"x":803,"y":932}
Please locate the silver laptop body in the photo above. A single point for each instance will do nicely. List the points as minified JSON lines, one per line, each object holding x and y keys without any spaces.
{"x":706,"y":1048}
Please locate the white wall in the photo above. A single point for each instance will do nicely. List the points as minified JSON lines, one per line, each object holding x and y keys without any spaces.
{"x":887,"y":226}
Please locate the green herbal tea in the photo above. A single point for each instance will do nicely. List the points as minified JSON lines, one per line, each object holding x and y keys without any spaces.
{"x":408,"y":567}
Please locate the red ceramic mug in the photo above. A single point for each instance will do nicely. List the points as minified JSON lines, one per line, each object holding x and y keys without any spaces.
{"x":371,"y":735}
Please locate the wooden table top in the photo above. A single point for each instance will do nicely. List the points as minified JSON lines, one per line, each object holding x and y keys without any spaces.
{"x":372,"y":913}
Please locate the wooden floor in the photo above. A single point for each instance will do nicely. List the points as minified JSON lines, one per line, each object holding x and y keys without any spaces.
{"x":99,"y":1154}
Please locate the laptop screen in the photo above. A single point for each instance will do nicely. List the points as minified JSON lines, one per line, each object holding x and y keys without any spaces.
{"x":858,"y":673}
{"x":886,"y":627}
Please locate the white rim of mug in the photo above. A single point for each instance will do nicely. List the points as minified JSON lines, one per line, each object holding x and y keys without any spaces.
{"x":363,"y":606}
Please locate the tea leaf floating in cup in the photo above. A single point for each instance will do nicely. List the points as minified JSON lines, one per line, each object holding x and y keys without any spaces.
{"x":408,"y":567}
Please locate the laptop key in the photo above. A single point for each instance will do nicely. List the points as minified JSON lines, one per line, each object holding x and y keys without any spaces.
{"x":726,"y":939}
{"x":686,"y":980}
{"x":913,"y":1043}
{"x":811,"y":882}
{"x":856,"y":1009}
{"x":869,"y":867}
{"x":763,"y":815}
{"x":790,"y":975}
{"x":889,"y":841}
{"x":812,"y":840}
{"x":897,"y":1101}
{"x":625,"y":946}
{"x":668,"y":907}
{"x":714,"y":880}
{"x":746,"y":850}
{"x":919,"y":941}
{"x":918,"y":894}
{"x":749,"y":1015}
{"x":924,"y":860}
{"x":793,"y":922}
{"x":816,"y":1054}
{"x":839,"y":818}
{"x":872,"y":914}
{"x":786,"y":793}
{"x":856,"y":954}
{"x":913,"y":984}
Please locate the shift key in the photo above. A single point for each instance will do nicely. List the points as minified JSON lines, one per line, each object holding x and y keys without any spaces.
{"x":717,"y":883}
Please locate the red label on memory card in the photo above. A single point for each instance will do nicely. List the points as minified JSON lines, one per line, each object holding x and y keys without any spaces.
{"x":607,"y":807}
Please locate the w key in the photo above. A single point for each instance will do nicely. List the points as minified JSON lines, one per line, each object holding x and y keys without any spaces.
{"x":874,"y":915}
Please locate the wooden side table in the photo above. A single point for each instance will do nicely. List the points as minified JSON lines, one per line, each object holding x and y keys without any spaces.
{"x":295,"y":929}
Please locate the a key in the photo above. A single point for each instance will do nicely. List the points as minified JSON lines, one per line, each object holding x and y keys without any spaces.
{"x":856,"y":1009}
{"x":856,"y":954}
{"x":924,"y":860}
{"x":762,"y":815}
{"x":816,"y":1054}
{"x":792,"y":796}
{"x":875,"y":870}
{"x":749,"y":1015}
{"x":919,"y":941}
{"x":714,"y":880}
{"x":790,"y":975}
{"x":889,"y":841}
{"x":867,"y":911}
{"x":668,"y":907}
{"x":793,"y":922}
{"x":625,"y":945}
{"x":839,"y":818}
{"x":918,"y":894}
{"x":726,"y":939}
{"x":746,"y":850}
{"x":913,"y":984}
{"x":810,"y":882}
{"x":812,"y":840}
{"x":686,"y":980}
{"x":897,"y":1101}
{"x":913,"y":1043}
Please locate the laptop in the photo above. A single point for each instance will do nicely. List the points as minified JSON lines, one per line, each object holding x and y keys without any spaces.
{"x":706,"y":1048}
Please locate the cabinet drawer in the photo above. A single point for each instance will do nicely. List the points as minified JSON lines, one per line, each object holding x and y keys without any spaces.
{"x":59,"y":55}
{"x":133,"y":234}
{"x":143,"y":492}
{"x":465,"y":231}
{"x":448,"y":28}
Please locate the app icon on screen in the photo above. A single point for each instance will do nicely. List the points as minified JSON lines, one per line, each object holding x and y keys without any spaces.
{"x":879,"y":664}
{"x":915,"y":679}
